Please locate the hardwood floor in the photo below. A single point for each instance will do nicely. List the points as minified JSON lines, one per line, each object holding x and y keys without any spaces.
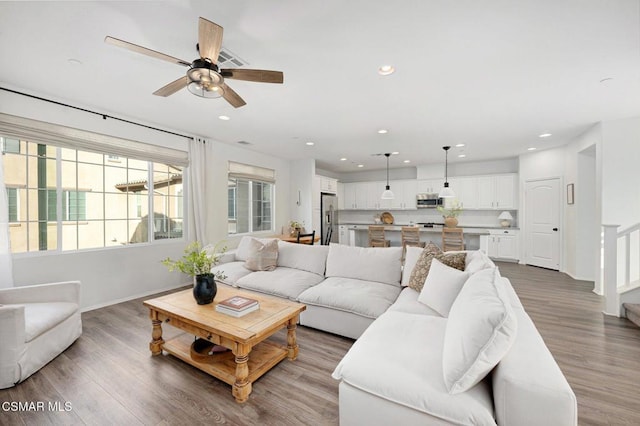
{"x":109,"y":377}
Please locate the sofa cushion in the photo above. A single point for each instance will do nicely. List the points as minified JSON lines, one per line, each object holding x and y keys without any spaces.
{"x":282,"y":282}
{"x":302,"y":256}
{"x":477,"y":260}
{"x":41,"y":317}
{"x":442,"y":287}
{"x":366,"y":298}
{"x":232,"y":270}
{"x":407,"y":302}
{"x":263,"y":256}
{"x":480,"y":330}
{"x":379,"y":264}
{"x":399,"y":358}
{"x":242,"y":251}
{"x":431,"y":251}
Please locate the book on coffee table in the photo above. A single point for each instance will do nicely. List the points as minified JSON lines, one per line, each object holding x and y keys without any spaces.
{"x":235,"y":313}
{"x":237,"y":306}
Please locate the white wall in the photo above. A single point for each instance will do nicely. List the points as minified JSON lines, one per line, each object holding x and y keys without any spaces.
{"x":107,"y":275}
{"x":302,"y":191}
{"x":621,"y":172}
{"x":111,"y":275}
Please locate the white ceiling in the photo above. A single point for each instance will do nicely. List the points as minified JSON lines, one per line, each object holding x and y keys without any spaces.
{"x":493,"y":74}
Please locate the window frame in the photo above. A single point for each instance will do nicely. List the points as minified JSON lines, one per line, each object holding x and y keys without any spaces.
{"x":63,"y":207}
{"x":250,"y":200}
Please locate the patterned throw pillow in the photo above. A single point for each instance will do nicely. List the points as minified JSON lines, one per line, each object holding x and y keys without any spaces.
{"x":431,"y":251}
{"x":262,"y":256}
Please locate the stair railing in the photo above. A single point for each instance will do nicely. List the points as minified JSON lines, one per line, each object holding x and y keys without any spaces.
{"x":617,"y":263}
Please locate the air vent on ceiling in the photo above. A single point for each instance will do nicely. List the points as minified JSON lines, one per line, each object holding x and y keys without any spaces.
{"x":228,"y":59}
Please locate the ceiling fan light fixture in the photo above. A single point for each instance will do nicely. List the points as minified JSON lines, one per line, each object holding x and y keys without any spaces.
{"x":205,"y":81}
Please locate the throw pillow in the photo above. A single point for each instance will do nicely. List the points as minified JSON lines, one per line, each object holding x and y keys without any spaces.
{"x":262,"y":256}
{"x":442,"y":287}
{"x":480,"y":330}
{"x":421,"y":270}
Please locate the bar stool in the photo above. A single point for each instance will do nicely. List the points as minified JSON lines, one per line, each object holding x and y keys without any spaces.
{"x":376,"y":236}
{"x":452,"y":239}
{"x":410,"y":237}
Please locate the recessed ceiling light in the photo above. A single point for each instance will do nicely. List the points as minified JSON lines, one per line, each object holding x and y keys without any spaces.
{"x":395,"y":153}
{"x":383,"y":131}
{"x":360,"y":165}
{"x":531,"y":149}
{"x":224,"y":117}
{"x":544,"y":135}
{"x":310,"y":143}
{"x":343,"y":159}
{"x":386,"y":70}
{"x":406,"y":161}
{"x":462,"y":155}
{"x":460,"y":145}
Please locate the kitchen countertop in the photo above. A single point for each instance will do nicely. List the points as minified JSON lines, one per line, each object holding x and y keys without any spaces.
{"x":397,"y":227}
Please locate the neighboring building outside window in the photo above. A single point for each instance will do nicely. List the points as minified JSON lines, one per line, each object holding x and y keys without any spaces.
{"x":102,"y":202}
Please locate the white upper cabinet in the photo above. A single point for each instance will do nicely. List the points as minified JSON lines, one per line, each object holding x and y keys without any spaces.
{"x":328,"y":185}
{"x":349,"y":196}
{"x":404,"y":192}
{"x":497,"y":192}
{"x":429,"y":186}
{"x":374,"y":191}
{"x":466,"y":190}
{"x":340,"y":196}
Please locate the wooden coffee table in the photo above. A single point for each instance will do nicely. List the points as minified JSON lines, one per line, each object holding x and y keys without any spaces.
{"x":242,"y":335}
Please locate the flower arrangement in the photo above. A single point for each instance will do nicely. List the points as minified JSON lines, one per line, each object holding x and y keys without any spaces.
{"x":453,"y":209}
{"x":295,"y":224}
{"x":197,"y":260}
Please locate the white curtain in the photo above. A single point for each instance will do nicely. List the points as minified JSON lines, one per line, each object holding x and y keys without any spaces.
{"x":6,"y":264}
{"x":200,"y":157}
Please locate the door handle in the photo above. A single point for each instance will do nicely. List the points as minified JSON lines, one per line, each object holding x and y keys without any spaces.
{"x":555,"y":229}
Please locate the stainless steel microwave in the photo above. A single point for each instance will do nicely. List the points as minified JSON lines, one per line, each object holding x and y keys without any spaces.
{"x":428,"y":201}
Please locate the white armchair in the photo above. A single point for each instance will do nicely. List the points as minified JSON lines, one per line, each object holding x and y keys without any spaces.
{"x":37,"y":323}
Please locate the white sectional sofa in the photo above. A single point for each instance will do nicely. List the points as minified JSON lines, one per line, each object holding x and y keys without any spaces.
{"x":410,"y":364}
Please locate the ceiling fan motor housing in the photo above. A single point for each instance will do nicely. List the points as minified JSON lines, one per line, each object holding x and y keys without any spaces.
{"x":205,"y":80}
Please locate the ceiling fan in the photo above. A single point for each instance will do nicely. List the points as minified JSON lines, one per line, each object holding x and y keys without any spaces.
{"x":203,"y":77}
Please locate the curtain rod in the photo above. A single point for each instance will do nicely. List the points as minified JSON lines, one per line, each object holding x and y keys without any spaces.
{"x":104,"y":116}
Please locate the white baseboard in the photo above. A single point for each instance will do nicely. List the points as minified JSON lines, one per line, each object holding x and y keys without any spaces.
{"x":126,"y":299}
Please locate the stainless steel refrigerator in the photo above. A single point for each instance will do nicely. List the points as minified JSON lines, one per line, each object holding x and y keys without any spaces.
{"x":329,"y":219}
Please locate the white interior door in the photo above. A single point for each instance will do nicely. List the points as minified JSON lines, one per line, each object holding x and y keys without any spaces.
{"x":542,"y":221}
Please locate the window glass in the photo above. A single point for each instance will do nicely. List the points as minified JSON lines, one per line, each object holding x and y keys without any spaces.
{"x":250,"y":206}
{"x":90,"y":201}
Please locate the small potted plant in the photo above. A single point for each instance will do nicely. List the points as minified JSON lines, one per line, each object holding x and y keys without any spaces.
{"x":450,"y":212}
{"x":294,"y":228}
{"x":197,"y":262}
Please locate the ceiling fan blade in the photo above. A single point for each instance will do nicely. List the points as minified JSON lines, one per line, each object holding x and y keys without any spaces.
{"x":145,"y":51}
{"x":232,"y":97}
{"x":261,"y":76}
{"x":172,"y":87}
{"x":209,"y":40}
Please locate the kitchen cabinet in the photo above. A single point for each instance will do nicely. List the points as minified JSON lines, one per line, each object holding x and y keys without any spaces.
{"x":429,"y":186}
{"x":497,"y":192}
{"x":503,"y":244}
{"x":344,"y":235}
{"x":340,"y":196}
{"x":328,"y":185}
{"x":349,"y":196}
{"x":374,"y":191}
{"x":404,"y":192}
{"x":466,"y":190}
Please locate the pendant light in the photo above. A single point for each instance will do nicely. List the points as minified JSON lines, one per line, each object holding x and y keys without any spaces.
{"x":446,"y":192}
{"x":387,"y":194}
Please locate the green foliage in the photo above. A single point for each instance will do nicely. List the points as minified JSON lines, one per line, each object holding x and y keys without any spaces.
{"x":453,"y":209}
{"x":197,"y":261}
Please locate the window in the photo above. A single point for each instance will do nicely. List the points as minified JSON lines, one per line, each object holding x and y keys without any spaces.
{"x":10,"y":145}
{"x":250,"y":200}
{"x":67,"y":199}
{"x":12,"y":198}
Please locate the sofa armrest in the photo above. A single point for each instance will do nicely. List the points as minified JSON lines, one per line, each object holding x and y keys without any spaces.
{"x":68,"y":291}
{"x":528,"y":386}
{"x":12,"y":336}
